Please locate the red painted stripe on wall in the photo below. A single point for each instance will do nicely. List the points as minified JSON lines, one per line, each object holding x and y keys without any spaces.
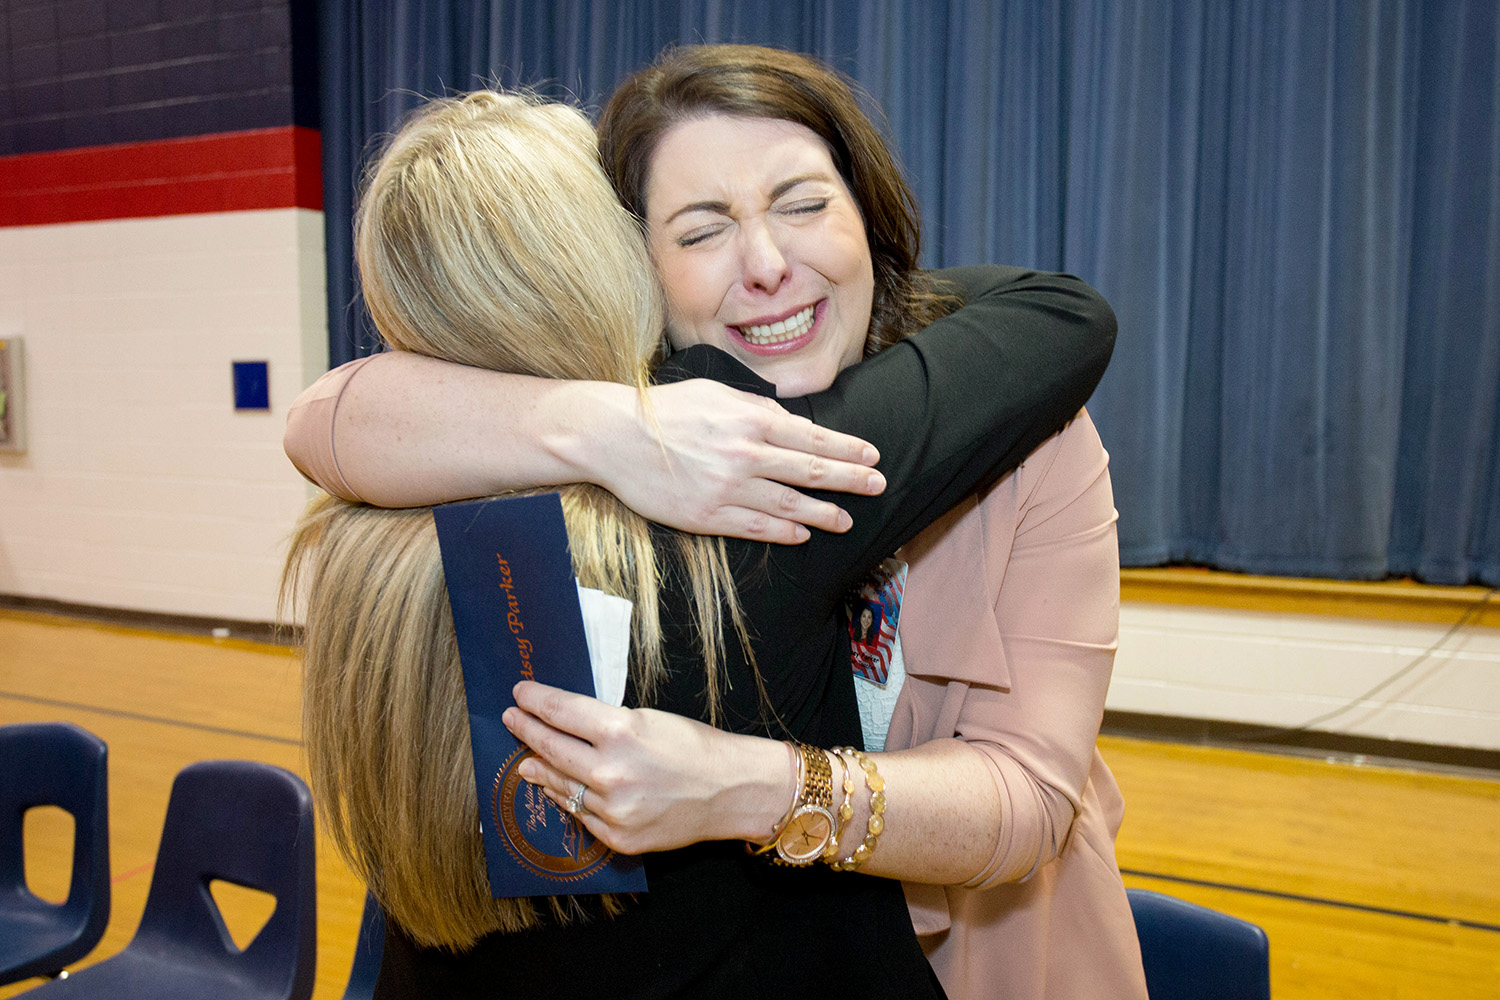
{"x":231,"y":172}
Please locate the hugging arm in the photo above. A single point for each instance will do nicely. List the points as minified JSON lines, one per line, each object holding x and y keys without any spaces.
{"x":399,"y":429}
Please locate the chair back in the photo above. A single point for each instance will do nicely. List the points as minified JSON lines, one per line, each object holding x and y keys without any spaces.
{"x":1191,"y":952}
{"x":250,"y":824}
{"x":367,"y":952}
{"x":52,"y":764}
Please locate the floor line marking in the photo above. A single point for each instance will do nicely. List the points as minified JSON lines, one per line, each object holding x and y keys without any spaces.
{"x":1317,"y":900}
{"x":121,"y":713}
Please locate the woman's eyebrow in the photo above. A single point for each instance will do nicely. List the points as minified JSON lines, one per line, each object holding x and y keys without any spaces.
{"x":792,"y":182}
{"x":719,"y":207}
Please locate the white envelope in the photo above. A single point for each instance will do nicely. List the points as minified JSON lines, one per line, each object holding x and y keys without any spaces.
{"x":606,"y":625}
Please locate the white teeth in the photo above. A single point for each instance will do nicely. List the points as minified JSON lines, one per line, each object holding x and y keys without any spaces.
{"x":786,"y":329}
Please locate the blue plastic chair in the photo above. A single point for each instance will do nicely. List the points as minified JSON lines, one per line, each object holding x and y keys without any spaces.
{"x":367,"y":952}
{"x":52,"y":764}
{"x":236,"y":821}
{"x":1193,"y":953}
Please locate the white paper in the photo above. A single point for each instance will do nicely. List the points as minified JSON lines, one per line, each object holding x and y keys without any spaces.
{"x":606,"y":625}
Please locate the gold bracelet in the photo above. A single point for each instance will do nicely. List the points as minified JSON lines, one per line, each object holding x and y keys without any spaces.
{"x":846,"y":811}
{"x":770,"y":845}
{"x":875,"y":825}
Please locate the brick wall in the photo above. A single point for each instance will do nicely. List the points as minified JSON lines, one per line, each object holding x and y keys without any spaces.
{"x":159,"y":218}
{"x":100,"y":72}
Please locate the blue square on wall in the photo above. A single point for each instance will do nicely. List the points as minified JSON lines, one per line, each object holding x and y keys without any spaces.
{"x":252,"y":385}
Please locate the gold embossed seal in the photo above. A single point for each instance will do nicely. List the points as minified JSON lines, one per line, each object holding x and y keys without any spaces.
{"x":538,"y":834}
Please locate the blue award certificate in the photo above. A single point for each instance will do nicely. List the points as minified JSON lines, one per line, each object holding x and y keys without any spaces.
{"x":516,"y":612}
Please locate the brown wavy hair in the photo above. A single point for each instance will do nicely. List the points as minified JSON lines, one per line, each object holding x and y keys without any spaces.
{"x":751,"y":81}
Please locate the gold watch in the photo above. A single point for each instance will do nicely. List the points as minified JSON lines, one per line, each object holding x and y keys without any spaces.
{"x":811,"y":826}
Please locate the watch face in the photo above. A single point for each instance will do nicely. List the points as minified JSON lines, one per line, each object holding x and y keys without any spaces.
{"x":805,"y":835}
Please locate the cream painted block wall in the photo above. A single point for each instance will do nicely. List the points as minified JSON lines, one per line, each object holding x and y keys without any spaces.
{"x":1286,"y":670}
{"x":142,"y":487}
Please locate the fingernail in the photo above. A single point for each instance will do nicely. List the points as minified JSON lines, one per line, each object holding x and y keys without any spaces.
{"x":870,"y":455}
{"x":845,"y":521}
{"x":876,"y":482}
{"x":800,"y":533}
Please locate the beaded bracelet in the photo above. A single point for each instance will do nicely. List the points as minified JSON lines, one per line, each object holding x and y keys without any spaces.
{"x":875,"y":825}
{"x":846,"y":811}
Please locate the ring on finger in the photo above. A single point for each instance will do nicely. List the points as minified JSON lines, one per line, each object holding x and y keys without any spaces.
{"x":574,"y":804}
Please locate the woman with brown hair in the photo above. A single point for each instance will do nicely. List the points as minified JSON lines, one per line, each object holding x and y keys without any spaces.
{"x":784,"y":235}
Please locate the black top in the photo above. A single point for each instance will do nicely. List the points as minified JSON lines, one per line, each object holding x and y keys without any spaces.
{"x":951,"y":409}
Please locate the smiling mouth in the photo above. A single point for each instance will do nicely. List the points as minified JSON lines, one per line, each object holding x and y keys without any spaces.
{"x":791,"y":328}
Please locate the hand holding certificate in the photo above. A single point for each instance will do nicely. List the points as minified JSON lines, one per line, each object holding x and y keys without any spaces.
{"x":517,"y":614}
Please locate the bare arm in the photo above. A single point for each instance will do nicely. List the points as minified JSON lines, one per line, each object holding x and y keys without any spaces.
{"x":406,"y":430}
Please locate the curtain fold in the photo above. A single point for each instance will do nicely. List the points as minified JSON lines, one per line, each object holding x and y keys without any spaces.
{"x":1293,"y":207}
{"x":1447,"y":491}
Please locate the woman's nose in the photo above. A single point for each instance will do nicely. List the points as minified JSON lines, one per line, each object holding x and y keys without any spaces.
{"x":764,"y":264}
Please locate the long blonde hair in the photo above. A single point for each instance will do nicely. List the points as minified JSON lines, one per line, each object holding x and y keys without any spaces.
{"x":488,"y":235}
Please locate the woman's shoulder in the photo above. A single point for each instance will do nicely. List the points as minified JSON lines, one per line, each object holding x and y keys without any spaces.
{"x":975,"y":539}
{"x":1062,"y":468}
{"x":1073,"y":450}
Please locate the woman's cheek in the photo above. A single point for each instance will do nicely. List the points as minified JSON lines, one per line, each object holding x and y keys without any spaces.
{"x":679,"y":306}
{"x":676,"y":271}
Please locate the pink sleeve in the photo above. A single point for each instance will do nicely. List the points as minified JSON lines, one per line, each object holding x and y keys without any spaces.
{"x":1021,"y":678}
{"x":309,"y":437}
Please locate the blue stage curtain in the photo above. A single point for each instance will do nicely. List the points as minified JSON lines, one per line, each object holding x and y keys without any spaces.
{"x":1294,"y":208}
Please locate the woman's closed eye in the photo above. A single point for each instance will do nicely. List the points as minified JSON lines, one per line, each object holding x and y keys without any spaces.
{"x":800,"y":207}
{"x":805,"y":206}
{"x":695,"y":236}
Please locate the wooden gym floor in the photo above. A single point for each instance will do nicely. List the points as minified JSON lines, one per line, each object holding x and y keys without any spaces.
{"x":1372,"y":881}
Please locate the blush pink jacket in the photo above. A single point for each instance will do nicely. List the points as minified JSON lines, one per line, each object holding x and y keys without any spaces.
{"x":1008,"y":633}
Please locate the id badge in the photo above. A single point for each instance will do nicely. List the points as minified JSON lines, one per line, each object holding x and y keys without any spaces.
{"x":874,"y":614}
